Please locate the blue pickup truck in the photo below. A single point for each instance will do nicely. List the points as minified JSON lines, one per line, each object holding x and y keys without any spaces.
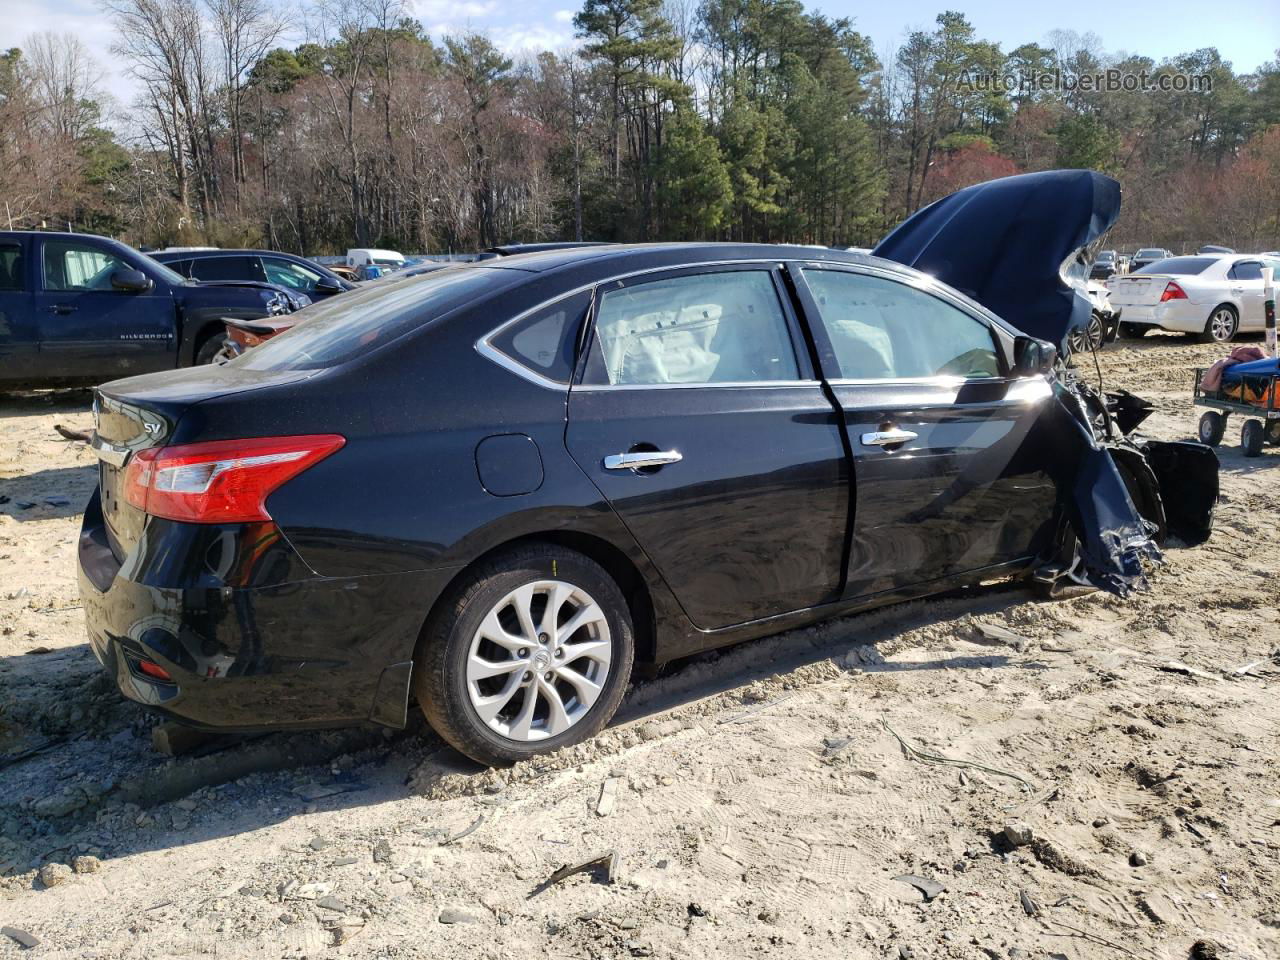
{"x":78,"y":309}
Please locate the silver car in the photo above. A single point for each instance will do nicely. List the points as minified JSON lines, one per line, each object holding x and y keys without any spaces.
{"x":1211,"y":296}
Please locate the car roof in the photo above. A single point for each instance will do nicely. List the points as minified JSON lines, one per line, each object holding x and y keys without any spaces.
{"x":217,"y":252}
{"x":624,"y":256}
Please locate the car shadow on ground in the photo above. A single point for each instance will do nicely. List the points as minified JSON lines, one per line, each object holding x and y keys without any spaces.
{"x":48,"y":494}
{"x":39,"y":403}
{"x":78,"y":772}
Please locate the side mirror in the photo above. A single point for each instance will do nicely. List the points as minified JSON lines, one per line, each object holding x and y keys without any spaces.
{"x":130,"y":280}
{"x":328,"y":285}
{"x":1032,"y":356}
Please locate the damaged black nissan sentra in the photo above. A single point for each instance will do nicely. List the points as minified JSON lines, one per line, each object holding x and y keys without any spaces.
{"x":496,"y":487}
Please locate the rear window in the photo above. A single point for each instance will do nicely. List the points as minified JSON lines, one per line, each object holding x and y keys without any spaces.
{"x":1181,"y":266}
{"x":363,"y":320}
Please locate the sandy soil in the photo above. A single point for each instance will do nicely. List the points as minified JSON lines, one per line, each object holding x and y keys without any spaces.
{"x":1103,"y":804}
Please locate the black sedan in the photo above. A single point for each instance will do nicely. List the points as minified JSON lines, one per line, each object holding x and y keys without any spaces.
{"x":264,"y":266}
{"x":498,"y":486}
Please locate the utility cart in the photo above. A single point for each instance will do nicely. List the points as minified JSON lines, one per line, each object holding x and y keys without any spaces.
{"x":1262,"y":423}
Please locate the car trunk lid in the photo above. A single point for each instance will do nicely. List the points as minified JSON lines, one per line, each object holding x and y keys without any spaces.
{"x":1138,"y":290}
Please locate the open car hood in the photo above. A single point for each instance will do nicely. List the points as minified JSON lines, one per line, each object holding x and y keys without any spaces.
{"x":1005,"y":243}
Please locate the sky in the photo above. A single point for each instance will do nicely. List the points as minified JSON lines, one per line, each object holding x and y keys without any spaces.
{"x":1247,"y":35}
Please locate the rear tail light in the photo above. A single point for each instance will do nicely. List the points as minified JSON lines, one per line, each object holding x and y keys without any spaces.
{"x":1172,"y":292}
{"x":223,"y":481}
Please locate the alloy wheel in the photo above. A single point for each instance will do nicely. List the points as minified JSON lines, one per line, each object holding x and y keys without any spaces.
{"x":1222,"y":325}
{"x":539,"y":660}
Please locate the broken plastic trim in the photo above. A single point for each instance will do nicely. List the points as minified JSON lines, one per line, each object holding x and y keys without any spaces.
{"x":1122,"y":496}
{"x":1113,"y":538}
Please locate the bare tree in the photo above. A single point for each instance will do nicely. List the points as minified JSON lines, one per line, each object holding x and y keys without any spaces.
{"x":66,"y":80}
{"x":245,"y":31}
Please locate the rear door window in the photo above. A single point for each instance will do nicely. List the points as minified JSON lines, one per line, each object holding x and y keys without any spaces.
{"x":722,"y":327}
{"x":228,"y":268}
{"x":882,"y":329}
{"x":1246,"y":270}
{"x":12,"y":267}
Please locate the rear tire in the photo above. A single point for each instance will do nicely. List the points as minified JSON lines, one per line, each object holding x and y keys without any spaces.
{"x":1133,"y":331}
{"x":1212,"y":428}
{"x":1251,"y":438}
{"x":1222,"y":326}
{"x":501,"y":680}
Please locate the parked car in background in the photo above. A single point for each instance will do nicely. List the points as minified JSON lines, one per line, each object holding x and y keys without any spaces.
{"x":361,"y":259}
{"x":80,"y":309}
{"x":1105,"y":266}
{"x":242,"y":335}
{"x":336,"y":265}
{"x":1212,"y":297}
{"x":262,"y":266}
{"x":1147,"y":256}
{"x":1214,"y":248}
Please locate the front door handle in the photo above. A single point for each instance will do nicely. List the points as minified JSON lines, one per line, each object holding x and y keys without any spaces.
{"x":887,"y":438}
{"x":639,"y":460}
{"x":61,"y":308}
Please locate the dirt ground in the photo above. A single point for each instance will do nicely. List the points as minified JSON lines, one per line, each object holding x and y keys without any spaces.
{"x":1115,"y":790}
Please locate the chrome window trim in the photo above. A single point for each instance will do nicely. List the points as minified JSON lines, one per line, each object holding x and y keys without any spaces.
{"x":485,"y":347}
{"x":733,"y":384}
{"x":938,"y":381}
{"x":922,"y":282}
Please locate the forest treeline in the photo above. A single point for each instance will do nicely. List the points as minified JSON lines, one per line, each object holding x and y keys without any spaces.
{"x":670,"y":119}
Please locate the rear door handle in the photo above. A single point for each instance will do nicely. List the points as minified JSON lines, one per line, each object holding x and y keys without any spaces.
{"x":647,"y":458}
{"x":887,"y":438}
{"x":62,"y":308}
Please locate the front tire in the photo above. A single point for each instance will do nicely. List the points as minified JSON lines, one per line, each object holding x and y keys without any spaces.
{"x":1222,"y":326}
{"x":210,"y":349}
{"x":530,"y":654}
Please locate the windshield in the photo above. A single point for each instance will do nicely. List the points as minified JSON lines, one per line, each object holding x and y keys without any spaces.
{"x":167,"y":274}
{"x":1150,"y":252}
{"x":1182,"y":266}
{"x":344,"y":327}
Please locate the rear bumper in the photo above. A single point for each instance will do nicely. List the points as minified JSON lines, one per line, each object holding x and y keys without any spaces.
{"x":319,"y":652}
{"x":1181,"y":316}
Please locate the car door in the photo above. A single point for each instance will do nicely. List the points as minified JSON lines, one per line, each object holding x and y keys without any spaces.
{"x":18,"y":337}
{"x":90,"y":330}
{"x":702,"y":424}
{"x":948,"y":476}
{"x":1245,"y":279}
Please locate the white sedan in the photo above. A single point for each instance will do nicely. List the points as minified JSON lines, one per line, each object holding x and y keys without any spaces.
{"x":1212,"y":296}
